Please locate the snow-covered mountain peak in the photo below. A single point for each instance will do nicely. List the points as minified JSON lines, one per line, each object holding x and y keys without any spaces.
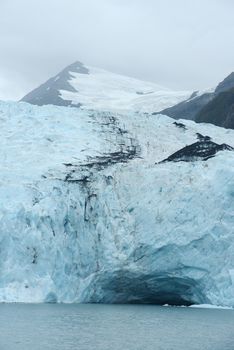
{"x":94,"y":88}
{"x":49,"y":92}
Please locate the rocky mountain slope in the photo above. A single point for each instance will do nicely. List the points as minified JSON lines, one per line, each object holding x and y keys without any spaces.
{"x":93,"y":88}
{"x":90,"y":212}
{"x":219,"y":111}
{"x":198,"y":106}
{"x":188,"y":108}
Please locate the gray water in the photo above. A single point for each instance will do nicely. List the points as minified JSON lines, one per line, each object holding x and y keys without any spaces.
{"x":114,"y":327}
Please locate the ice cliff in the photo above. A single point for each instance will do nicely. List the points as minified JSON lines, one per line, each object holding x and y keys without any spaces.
{"x":90,"y":213}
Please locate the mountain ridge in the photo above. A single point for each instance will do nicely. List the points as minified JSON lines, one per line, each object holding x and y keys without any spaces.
{"x":219,"y":111}
{"x":48,"y":92}
{"x":195,"y":107}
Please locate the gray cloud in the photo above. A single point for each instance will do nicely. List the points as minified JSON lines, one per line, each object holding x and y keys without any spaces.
{"x":182,"y":44}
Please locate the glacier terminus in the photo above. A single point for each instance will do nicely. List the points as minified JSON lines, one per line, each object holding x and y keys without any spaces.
{"x":99,"y":206}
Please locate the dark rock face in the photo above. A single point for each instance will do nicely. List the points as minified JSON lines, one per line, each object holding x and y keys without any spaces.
{"x":229,"y":122}
{"x":187,"y":109}
{"x":201,"y":150}
{"x":201,"y":137}
{"x":180,"y":125}
{"x":48,"y":93}
{"x":199,"y":108}
{"x":226,"y":84}
{"x":220,"y":111}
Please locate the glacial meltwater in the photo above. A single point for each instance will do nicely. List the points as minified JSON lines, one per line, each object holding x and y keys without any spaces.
{"x":115,"y":327}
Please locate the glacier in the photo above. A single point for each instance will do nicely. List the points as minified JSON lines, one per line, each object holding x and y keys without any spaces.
{"x":90,"y":213}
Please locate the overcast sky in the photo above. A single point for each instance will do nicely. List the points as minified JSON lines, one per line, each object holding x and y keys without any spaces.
{"x":181,"y":44}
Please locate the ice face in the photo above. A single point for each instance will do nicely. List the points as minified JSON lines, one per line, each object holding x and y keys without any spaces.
{"x":88,"y":216}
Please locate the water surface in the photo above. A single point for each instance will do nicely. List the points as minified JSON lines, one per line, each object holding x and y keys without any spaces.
{"x":114,"y":327}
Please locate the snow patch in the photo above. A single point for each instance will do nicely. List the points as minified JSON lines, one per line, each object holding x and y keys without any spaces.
{"x":103,"y":90}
